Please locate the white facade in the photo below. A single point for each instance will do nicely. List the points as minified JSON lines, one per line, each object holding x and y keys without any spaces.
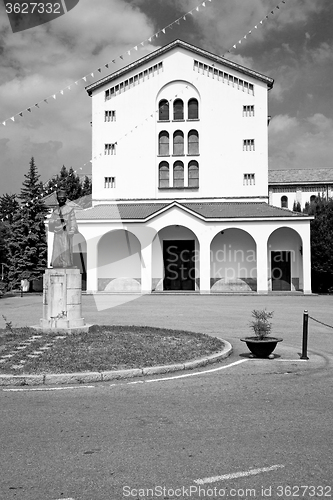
{"x":222,"y":125}
{"x":180,"y":201}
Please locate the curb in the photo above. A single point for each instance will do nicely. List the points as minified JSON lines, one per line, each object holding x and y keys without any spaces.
{"x":106,"y":376}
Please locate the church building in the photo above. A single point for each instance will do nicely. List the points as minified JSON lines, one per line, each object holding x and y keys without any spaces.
{"x":180,"y":182}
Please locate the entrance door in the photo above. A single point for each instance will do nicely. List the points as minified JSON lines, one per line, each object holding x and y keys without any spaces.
{"x":281,"y":271}
{"x":178,"y":261}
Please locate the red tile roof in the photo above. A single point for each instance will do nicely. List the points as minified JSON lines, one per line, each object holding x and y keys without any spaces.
{"x":206,"y":210}
{"x":301,"y":176}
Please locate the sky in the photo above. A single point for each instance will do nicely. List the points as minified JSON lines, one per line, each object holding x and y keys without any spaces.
{"x":294,"y":45}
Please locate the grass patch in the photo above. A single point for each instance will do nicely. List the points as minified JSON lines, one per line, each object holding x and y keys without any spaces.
{"x":101,"y":348}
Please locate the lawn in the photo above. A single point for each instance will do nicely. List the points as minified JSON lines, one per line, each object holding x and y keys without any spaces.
{"x":25,"y":350}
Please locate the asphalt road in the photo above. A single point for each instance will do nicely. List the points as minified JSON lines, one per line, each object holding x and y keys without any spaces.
{"x":108,"y":442}
{"x":255,"y":429}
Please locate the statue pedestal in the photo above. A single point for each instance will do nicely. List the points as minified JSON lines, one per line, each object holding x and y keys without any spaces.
{"x":62,"y":308}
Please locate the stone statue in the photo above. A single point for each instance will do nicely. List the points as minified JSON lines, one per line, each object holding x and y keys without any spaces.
{"x":63,"y":224}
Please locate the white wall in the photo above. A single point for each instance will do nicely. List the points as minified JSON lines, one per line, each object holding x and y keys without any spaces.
{"x":222,"y":128}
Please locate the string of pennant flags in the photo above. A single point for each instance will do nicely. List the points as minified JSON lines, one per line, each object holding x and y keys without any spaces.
{"x":256,"y":26}
{"x":151,"y":116}
{"x":99,"y":70}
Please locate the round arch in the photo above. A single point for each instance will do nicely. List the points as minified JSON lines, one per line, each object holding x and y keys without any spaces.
{"x":285,"y":260}
{"x":175,"y":251}
{"x":119,"y":262}
{"x":233,"y":258}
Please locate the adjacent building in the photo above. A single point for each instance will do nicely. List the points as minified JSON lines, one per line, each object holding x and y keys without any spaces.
{"x":287,"y":188}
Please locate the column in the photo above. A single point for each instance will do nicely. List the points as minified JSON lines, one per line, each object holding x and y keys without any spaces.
{"x":204,"y":270}
{"x":146,"y":268}
{"x":306,"y":254}
{"x":262,"y":265}
{"x":92,"y":271}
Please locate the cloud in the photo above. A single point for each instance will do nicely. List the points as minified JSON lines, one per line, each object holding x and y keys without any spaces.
{"x":295,"y":143}
{"x":39,"y":62}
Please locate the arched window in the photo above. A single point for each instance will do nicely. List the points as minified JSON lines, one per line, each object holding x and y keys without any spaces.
{"x":193,"y":143}
{"x":178,"y":110}
{"x":193,"y":109}
{"x":163,"y":174}
{"x":284,"y":201}
{"x":313,"y":198}
{"x":178,"y":174}
{"x":178,"y":143}
{"x":163,"y":110}
{"x":193,"y":174}
{"x":163,"y":143}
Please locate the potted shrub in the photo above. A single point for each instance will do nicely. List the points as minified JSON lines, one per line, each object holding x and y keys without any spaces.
{"x":261,"y":345}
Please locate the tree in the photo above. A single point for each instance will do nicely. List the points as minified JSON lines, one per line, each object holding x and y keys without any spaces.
{"x":72,"y":183}
{"x":26,"y":245}
{"x":8,"y":207}
{"x":321,"y":244}
{"x":297,"y":206}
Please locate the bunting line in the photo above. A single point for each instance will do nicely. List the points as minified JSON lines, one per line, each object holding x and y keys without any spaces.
{"x":273,"y":11}
{"x":84,"y":78}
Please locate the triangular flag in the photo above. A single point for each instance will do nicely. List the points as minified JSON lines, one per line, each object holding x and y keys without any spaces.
{"x":4,"y":123}
{"x":54,"y":96}
{"x":163,"y":30}
{"x":61,"y":92}
{"x":234,"y":46}
{"x":77,"y":83}
{"x":114,"y":61}
{"x":92,"y":74}
{"x":244,"y":36}
{"x":29,"y":109}
{"x":45,"y":100}
{"x":106,"y":65}
{"x":261,"y":22}
{"x":197,"y":9}
{"x":277,"y":7}
{"x":177,"y":22}
{"x":84,"y":78}
{"x":149,"y":39}
{"x":36,"y":105}
{"x":121,"y":57}
{"x":256,"y":27}
{"x":21,"y":114}
{"x":129,"y":52}
{"x":13,"y":118}
{"x":136,"y":47}
{"x":99,"y":69}
{"x":239,"y":41}
{"x":272,"y":11}
{"x":184,"y":18}
{"x":69,"y":87}
{"x":203,"y":3}
{"x":142,"y":43}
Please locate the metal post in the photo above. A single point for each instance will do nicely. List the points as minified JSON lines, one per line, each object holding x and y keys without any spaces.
{"x":305,"y":335}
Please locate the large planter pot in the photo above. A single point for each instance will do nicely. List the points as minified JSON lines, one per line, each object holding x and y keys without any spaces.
{"x":261,"y":348}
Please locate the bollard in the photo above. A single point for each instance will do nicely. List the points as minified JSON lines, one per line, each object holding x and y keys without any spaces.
{"x":305,"y":335}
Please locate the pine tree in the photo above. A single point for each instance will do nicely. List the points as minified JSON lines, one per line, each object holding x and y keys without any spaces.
{"x":8,"y":207}
{"x":27,"y":246}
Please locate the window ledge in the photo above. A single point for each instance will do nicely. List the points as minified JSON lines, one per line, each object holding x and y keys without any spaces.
{"x":180,"y":120}
{"x":186,"y":188}
{"x":198,"y":154}
{"x":178,"y":155}
{"x":193,"y":119}
{"x":163,"y":121}
{"x":163,"y":156}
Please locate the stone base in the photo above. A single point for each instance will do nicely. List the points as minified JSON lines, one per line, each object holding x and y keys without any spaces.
{"x":62,"y":309}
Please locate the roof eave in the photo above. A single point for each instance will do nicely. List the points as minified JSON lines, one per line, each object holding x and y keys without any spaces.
{"x":179,"y":43}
